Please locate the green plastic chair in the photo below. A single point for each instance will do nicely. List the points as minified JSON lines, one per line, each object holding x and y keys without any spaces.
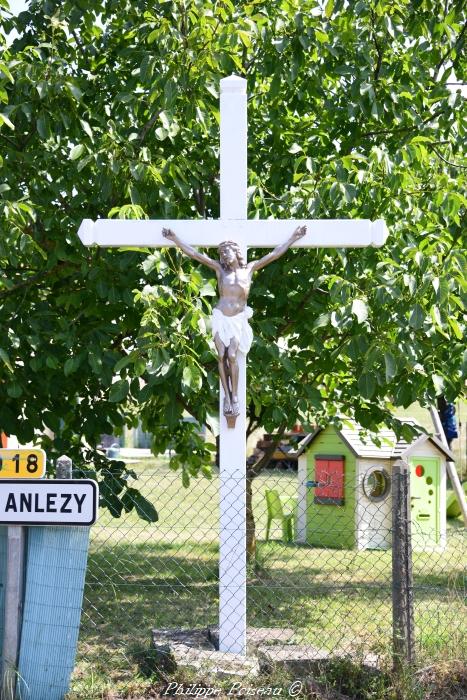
{"x":276,"y":512}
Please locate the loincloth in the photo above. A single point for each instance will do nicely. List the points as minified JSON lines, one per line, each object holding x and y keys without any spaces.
{"x":228,"y":327}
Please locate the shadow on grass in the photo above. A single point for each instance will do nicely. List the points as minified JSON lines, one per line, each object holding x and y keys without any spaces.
{"x":132,"y":589}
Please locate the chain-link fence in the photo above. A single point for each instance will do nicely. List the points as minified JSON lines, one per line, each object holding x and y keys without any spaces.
{"x":321,"y":574}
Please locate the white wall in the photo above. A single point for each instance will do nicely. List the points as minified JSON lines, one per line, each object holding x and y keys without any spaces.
{"x":373,"y":519}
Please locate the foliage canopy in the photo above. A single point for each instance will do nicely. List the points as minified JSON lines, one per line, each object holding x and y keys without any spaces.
{"x":110,"y":109}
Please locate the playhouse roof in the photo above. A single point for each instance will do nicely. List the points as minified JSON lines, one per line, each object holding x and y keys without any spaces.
{"x":390,"y":447}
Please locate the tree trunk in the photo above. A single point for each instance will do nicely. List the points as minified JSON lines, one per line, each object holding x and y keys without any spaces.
{"x":252,"y":470}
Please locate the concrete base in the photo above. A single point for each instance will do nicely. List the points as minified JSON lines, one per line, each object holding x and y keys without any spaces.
{"x":267,"y":649}
{"x":192,"y":649}
{"x":256,"y":636}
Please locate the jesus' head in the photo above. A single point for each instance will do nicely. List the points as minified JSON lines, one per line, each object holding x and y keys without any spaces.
{"x":229,"y":253}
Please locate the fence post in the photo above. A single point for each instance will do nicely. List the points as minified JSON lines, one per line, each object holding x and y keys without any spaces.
{"x":402,"y":578}
{"x":14,"y":577}
{"x":64,"y":468}
{"x":57,"y":558}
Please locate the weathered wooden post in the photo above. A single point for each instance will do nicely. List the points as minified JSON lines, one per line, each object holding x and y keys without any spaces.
{"x":402,"y":578}
{"x":14,"y":576}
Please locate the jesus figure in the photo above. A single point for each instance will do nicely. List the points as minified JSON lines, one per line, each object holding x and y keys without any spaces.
{"x":230,"y":328}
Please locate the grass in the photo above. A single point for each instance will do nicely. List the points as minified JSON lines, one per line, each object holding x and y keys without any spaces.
{"x":142,"y":576}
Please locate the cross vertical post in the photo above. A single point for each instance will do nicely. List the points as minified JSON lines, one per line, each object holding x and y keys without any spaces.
{"x":232,"y":452}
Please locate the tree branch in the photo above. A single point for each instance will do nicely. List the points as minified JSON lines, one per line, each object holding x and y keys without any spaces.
{"x":379,"y":51}
{"x":454,"y":165}
{"x":144,"y":130}
{"x":403,"y":128}
{"x":40,"y":275}
{"x":254,"y":469}
{"x":200,"y":199}
{"x":451,"y":48}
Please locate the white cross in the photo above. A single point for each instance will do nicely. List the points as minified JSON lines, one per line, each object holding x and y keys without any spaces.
{"x":233,"y":225}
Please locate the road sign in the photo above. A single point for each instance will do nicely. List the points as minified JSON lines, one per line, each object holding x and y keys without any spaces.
{"x":23,"y":463}
{"x":48,"y":502}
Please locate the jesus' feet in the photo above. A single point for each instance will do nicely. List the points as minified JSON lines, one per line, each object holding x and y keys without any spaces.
{"x":227,"y":406}
{"x":235,"y":406}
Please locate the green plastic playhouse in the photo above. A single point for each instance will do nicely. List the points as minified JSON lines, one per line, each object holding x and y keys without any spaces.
{"x":344,"y":490}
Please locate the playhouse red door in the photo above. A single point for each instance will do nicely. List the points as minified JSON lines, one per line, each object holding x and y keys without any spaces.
{"x":329,"y":474}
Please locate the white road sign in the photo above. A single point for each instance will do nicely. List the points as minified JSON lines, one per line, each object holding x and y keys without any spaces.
{"x":48,"y":502}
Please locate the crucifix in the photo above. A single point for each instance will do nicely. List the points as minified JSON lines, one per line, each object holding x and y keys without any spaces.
{"x":232,"y":234}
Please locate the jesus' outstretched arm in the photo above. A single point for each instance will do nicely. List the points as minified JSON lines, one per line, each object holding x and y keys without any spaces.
{"x":191,"y":252}
{"x":299,"y":232}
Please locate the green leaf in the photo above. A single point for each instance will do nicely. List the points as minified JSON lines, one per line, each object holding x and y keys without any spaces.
{"x":6,"y":359}
{"x":123,"y":362}
{"x":75,"y":91}
{"x":84,"y":162}
{"x":455,"y":327}
{"x":70,"y":366}
{"x":367,"y":385}
{"x":329,"y":8}
{"x":245,"y":37}
{"x":321,"y":36}
{"x":43,"y":126}
{"x":161,"y":133}
{"x":295,"y":148}
{"x":77,"y":151}
{"x":436,"y":316}
{"x":207,"y":290}
{"x":322,"y":320}
{"x":173,"y":412}
{"x":164,"y":117}
{"x":6,"y":72}
{"x":288,"y":364}
{"x":86,"y":128}
{"x":119,"y":390}
{"x":14,"y":390}
{"x":357,"y":347}
{"x":187,"y":376}
{"x":52,"y":362}
{"x":390,"y":365}
{"x":417,"y":317}
{"x":112,"y":502}
{"x":5,"y":119}
{"x":145,"y":508}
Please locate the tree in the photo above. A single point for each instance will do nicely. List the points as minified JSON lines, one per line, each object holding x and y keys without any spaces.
{"x":111,"y":109}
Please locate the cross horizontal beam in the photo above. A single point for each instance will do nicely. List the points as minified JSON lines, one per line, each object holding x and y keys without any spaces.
{"x":261,"y":233}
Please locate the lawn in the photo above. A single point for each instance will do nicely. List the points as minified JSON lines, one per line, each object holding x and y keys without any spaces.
{"x":165,"y":574}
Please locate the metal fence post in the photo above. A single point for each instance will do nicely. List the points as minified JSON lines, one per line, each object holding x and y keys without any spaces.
{"x":402,"y":578}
